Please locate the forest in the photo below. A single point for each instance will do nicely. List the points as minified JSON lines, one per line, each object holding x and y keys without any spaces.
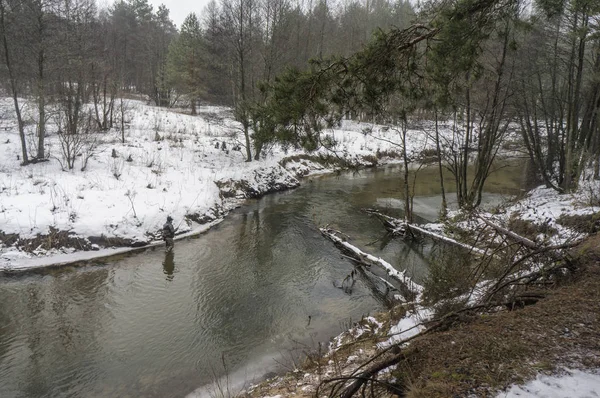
{"x":124,"y":119}
{"x":68,"y":54}
{"x":292,"y":69}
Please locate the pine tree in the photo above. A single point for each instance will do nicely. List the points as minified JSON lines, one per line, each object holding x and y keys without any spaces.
{"x":185,"y":61}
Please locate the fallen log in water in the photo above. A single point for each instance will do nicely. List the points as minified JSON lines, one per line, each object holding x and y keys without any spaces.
{"x":400,"y":227}
{"x":391,"y":224}
{"x":409,"y":289}
{"x":442,"y":238}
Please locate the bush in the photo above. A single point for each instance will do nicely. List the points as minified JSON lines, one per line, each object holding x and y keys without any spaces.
{"x":584,"y":223}
{"x":449,"y":274}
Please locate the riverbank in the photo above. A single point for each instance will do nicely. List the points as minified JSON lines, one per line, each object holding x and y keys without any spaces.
{"x":118,"y":194}
{"x":480,"y":355}
{"x":553,"y":341}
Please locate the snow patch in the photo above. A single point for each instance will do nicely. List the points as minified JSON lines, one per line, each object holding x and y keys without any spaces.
{"x":408,"y":326}
{"x":572,"y":384}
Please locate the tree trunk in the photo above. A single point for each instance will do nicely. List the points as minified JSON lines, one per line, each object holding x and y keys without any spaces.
{"x":13,"y":85}
{"x":407,"y":201}
{"x":444,"y":209}
{"x":41,"y":97}
{"x":571,"y":122}
{"x":122,"y":109}
{"x":42,"y":115}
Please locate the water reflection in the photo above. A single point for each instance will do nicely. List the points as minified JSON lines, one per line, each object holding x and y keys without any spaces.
{"x":246,"y":291}
{"x":169,"y":265}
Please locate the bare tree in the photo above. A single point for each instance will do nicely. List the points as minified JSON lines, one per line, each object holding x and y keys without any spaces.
{"x":241,"y":22}
{"x":9,"y":22}
{"x":558,"y":91}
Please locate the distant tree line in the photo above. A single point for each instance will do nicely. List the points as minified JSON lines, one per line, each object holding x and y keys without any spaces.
{"x":490,"y":66}
{"x":65,"y":55}
{"x":291,"y":68}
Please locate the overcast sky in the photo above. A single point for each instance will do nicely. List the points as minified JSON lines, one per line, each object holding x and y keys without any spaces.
{"x":179,"y":8}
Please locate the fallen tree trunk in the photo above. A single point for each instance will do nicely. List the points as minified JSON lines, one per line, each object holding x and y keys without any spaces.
{"x":445,"y":239}
{"x":398,"y":227}
{"x":391,"y":224}
{"x":411,"y":289}
{"x":503,"y":231}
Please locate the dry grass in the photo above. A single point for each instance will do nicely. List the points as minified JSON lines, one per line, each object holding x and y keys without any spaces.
{"x":52,"y":240}
{"x":528,"y":229}
{"x":58,"y":239}
{"x":588,"y":223}
{"x":489,"y":352}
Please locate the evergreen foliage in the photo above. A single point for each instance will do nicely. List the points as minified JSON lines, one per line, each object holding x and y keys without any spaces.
{"x":185,"y":61}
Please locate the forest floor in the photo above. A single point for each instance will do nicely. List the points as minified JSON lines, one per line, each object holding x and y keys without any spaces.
{"x":485,"y":355}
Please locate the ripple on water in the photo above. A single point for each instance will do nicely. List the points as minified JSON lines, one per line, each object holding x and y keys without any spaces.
{"x":152,"y":325}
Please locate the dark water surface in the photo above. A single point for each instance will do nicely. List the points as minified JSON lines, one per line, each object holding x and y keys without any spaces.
{"x":155,"y":325}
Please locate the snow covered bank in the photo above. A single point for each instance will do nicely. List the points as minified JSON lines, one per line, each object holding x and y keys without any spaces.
{"x":547,"y":219}
{"x":571,"y":383}
{"x":191,"y":168}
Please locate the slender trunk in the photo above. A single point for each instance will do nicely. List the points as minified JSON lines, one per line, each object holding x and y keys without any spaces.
{"x":571,"y":122}
{"x":96,"y":95}
{"x":113,"y":95}
{"x":490,"y":131}
{"x":13,"y":85}
{"x":241,"y":101}
{"x":441,"y":170}
{"x":41,"y":106}
{"x":242,"y":112}
{"x":467,"y":142}
{"x":407,"y":206}
{"x":41,"y":89}
{"x":552,"y":130}
{"x":577,"y":145}
{"x":104,"y":105}
{"x":257,"y":150}
{"x":321,"y":38}
{"x":122,"y":109}
{"x":456,"y":156}
{"x":590,"y":114}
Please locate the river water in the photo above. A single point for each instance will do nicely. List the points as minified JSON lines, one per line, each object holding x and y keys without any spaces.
{"x":243,"y":299}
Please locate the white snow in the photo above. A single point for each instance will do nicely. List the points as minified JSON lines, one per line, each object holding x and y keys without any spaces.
{"x":544,"y":206}
{"x":449,"y":240}
{"x":174,"y":164}
{"x":408,"y":326}
{"x":400,"y":276}
{"x":168,"y":165}
{"x":570,"y":384}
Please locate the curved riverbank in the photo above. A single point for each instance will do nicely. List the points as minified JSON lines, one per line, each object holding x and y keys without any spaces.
{"x":152,"y":324}
{"x":62,"y":250}
{"x":477,"y":354}
{"x":170,"y":164}
{"x":548,"y":335}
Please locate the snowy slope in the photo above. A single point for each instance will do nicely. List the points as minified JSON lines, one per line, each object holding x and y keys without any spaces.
{"x":170,"y":164}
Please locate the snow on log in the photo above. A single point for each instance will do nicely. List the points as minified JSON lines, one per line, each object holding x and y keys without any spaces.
{"x":398,"y":227}
{"x":393,"y":225}
{"x":367,"y":259}
{"x":443,"y":238}
{"x":524,"y":241}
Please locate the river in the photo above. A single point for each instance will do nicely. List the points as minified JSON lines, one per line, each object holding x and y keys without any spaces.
{"x":252,"y":293}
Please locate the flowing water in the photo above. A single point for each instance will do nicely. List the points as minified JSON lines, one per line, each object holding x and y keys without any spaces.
{"x":251,"y":293}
